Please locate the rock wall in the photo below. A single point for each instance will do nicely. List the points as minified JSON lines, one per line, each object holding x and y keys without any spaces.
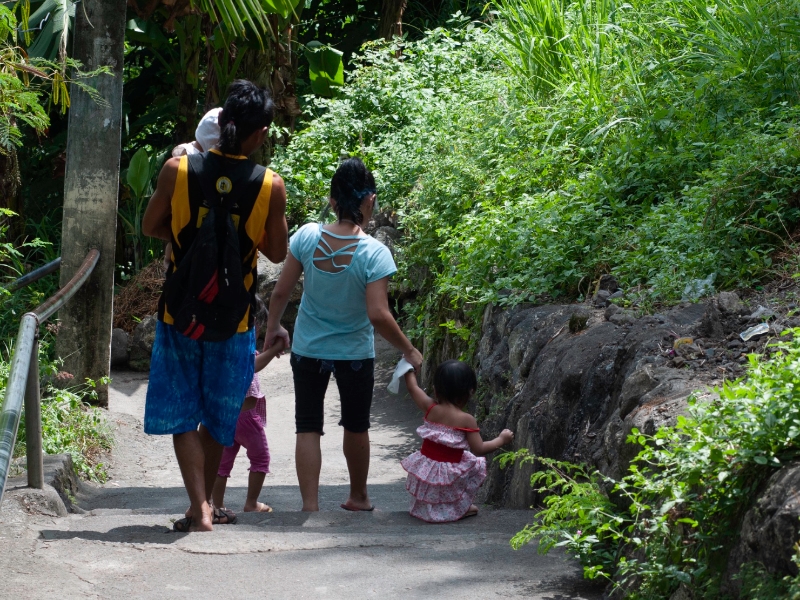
{"x":576,"y":395}
{"x":770,"y":529}
{"x":572,"y":381}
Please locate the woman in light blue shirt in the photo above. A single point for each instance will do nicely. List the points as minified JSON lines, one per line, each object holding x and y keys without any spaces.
{"x":344,"y":300}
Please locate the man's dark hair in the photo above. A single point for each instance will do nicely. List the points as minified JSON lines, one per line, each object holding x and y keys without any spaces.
{"x":454,"y":382}
{"x":351,"y":183}
{"x":247,"y":108}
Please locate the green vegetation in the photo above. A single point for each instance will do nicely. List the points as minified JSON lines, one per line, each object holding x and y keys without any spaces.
{"x":23,"y":79}
{"x":528,"y":157}
{"x":558,"y":140}
{"x":29,"y":87}
{"x":674,"y":515}
{"x":69,"y":424}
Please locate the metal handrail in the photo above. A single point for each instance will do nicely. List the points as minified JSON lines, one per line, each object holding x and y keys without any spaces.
{"x":34,"y":275}
{"x":23,"y":381}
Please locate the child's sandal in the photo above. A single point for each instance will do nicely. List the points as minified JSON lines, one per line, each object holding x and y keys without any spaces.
{"x":222,"y":516}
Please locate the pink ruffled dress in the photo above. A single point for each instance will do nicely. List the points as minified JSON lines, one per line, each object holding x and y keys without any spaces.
{"x":444,"y":476}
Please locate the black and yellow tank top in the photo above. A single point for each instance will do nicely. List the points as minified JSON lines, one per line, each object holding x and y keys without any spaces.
{"x":252,"y":186}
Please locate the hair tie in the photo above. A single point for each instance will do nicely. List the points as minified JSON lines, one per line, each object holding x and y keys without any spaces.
{"x":363,"y":193}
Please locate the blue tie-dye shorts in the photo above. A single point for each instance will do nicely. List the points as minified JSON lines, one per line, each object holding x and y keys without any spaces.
{"x":195,"y":382}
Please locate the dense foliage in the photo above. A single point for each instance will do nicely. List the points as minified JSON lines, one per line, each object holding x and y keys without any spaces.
{"x":69,"y":424}
{"x":560,"y":140}
{"x":665,"y":152}
{"x":685,"y":492}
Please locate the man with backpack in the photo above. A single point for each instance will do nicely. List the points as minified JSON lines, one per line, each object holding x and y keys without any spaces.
{"x":218,"y":209}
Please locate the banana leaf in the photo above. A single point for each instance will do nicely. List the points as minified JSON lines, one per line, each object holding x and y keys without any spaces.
{"x":325,"y":68}
{"x":55,"y":17}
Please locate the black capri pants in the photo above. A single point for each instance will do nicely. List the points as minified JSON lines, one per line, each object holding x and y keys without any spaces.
{"x":355,"y":380}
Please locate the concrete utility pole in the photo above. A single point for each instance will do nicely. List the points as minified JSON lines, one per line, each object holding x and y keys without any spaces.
{"x":91,"y":187}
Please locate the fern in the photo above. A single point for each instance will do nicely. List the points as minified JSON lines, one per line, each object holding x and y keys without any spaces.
{"x":22,"y":85}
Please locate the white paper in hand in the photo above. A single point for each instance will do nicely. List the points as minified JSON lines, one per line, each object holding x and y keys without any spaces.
{"x":402,"y":368}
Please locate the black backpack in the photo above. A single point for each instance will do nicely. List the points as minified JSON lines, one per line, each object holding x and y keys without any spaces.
{"x":206,"y":295}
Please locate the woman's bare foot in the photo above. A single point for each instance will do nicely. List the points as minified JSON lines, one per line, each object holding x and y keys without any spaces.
{"x":471,"y":511}
{"x":257,"y":507}
{"x":358,"y":504}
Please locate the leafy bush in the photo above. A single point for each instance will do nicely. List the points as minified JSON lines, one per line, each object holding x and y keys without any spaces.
{"x":69,"y":424}
{"x":663,"y":161}
{"x":20,"y":102}
{"x":686,"y":491}
{"x":15,"y":260}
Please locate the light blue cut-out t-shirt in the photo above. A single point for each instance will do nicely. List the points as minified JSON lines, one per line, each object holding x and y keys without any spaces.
{"x":332,"y":322}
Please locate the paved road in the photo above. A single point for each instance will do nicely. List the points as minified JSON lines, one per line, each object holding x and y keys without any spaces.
{"x":122,"y":545}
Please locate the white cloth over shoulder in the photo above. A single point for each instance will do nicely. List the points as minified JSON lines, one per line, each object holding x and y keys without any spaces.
{"x":402,"y":368}
{"x":184,"y":150}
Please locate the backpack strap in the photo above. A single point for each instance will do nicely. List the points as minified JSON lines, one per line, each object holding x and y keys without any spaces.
{"x":207,"y":173}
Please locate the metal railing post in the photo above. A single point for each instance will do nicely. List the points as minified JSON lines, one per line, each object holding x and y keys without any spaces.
{"x":23,"y":378}
{"x":33,"y":422}
{"x":15,"y":392}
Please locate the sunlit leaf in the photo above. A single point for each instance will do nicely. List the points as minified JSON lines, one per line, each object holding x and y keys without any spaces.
{"x":139,"y":172}
{"x":325,"y":68}
{"x":283,"y":8}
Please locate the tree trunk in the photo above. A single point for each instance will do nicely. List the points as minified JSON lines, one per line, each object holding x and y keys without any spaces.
{"x":91,"y":186}
{"x":256,"y":66}
{"x":284,"y":76}
{"x":392,"y":18}
{"x":275,"y":69}
{"x":188,"y":79}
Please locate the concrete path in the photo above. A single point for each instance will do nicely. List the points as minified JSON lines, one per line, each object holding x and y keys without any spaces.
{"x":122,"y":546}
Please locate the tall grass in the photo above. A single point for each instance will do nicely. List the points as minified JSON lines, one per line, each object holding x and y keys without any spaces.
{"x":568,"y":139}
{"x":556,"y":41}
{"x":599,"y":44}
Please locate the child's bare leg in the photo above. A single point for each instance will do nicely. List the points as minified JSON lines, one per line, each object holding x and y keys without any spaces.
{"x":218,"y":494}
{"x":254,"y":484}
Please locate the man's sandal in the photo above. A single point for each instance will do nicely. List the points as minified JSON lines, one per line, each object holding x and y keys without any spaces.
{"x":222,"y":516}
{"x":182,"y":525}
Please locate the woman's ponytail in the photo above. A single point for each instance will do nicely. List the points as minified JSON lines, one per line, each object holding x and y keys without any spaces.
{"x":351,"y":183}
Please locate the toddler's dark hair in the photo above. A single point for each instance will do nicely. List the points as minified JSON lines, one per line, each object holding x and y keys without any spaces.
{"x":247,"y":109}
{"x":454,"y":382}
{"x":351,"y":183}
{"x":260,"y":314}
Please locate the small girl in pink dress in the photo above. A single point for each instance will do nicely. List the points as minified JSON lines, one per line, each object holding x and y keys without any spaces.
{"x":445,"y":474}
{"x":250,"y":434}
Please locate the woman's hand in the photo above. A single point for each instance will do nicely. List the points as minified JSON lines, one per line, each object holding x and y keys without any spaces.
{"x":414,"y":356}
{"x":382,"y":320}
{"x":276,"y":335}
